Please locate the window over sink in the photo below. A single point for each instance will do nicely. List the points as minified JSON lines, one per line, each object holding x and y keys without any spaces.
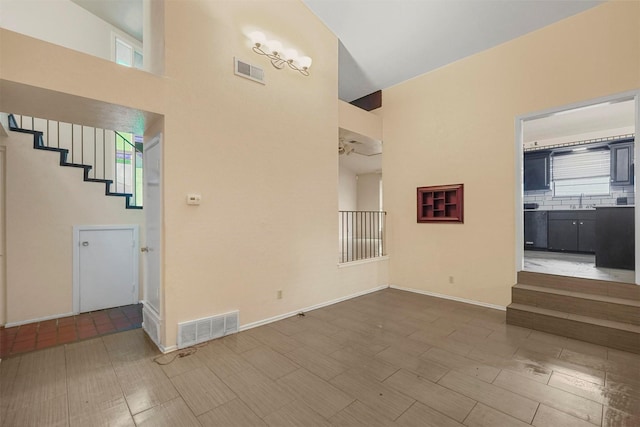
{"x":582,"y":171}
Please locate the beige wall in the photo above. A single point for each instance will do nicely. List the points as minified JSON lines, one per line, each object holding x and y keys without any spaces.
{"x":62,"y":22}
{"x":369,"y":191}
{"x":263,"y":160}
{"x":456,"y":125}
{"x":43,"y":203}
{"x":359,"y":121}
{"x":347,"y":189}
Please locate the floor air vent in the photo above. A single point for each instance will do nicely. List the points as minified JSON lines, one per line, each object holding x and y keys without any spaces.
{"x":201,"y":330}
{"x":246,"y":70}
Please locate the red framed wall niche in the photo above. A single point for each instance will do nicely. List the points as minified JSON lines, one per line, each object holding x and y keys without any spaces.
{"x":441,"y":203}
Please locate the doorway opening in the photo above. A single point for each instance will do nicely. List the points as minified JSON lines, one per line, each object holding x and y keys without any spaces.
{"x":361,"y":218}
{"x":576,"y":201}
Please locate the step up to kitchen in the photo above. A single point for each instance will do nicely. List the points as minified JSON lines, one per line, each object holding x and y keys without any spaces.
{"x":582,"y":303}
{"x":618,"y":335}
{"x":577,"y":284}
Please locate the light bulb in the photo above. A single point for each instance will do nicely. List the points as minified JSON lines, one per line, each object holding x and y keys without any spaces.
{"x":304,"y":62}
{"x":257,"y":37}
{"x":290,"y":54}
{"x":274,"y":46}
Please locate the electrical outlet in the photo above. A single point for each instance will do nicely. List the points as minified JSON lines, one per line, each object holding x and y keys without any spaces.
{"x":279,"y":294}
{"x":451,"y":279}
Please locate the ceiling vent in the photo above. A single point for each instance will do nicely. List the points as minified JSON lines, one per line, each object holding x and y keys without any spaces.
{"x":248,"y":71}
{"x":206,"y":329}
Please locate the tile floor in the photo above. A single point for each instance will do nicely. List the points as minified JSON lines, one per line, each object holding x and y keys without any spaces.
{"x":575,"y":265}
{"x":390,"y":358}
{"x":49,"y":333}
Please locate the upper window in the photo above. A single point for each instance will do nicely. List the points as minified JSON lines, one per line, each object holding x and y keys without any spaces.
{"x":581,"y":173}
{"x":126,"y":54}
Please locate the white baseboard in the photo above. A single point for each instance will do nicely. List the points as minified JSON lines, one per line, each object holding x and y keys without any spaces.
{"x":449,"y":297}
{"x":169,"y":349}
{"x":362,"y":261}
{"x":39,"y":319}
{"x":313,"y":307}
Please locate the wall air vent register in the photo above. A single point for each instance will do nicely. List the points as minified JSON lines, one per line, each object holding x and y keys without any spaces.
{"x":248,"y":71}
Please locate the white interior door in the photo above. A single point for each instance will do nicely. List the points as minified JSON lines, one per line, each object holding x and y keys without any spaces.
{"x":153,"y":223}
{"x":108,"y":274}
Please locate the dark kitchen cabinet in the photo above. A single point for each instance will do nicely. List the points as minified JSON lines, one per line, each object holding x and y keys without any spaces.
{"x":622,"y":163}
{"x":537,"y":170}
{"x":563,"y":235}
{"x":615,"y":237}
{"x":587,"y":235}
{"x":535,"y":229}
{"x":572,"y":231}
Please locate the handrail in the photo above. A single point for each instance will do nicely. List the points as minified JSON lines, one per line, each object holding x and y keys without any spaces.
{"x":127,"y":141}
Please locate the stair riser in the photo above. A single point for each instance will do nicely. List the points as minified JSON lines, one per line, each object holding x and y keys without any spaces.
{"x":576,"y":284}
{"x":576,"y":305}
{"x":601,"y":335}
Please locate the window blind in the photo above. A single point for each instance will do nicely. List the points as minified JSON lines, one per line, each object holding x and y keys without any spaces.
{"x":585,"y":164}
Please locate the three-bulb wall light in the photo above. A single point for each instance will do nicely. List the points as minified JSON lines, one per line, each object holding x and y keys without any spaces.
{"x":279,"y":56}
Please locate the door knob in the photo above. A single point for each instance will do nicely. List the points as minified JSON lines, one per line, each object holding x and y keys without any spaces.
{"x":85,"y":243}
{"x":145,"y":249}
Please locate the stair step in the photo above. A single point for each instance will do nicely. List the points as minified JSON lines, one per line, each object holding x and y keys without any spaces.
{"x":32,"y":132}
{"x":581,"y":295}
{"x":580,"y":303}
{"x":119,"y":194}
{"x":76,"y":165}
{"x":619,"y":335}
{"x":578,"y":284}
{"x":98,"y":180}
{"x":56,"y":149}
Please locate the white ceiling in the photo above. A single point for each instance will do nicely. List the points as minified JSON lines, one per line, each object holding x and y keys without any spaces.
{"x":599,"y":119}
{"x":366,"y":155}
{"x":385,"y":42}
{"x":123,"y":14}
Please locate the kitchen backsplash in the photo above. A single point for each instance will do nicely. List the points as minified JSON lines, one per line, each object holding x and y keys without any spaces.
{"x":546,"y":201}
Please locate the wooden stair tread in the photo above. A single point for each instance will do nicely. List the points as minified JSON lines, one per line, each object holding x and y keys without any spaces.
{"x":582,"y":295}
{"x":576,"y":317}
{"x":629,"y":291}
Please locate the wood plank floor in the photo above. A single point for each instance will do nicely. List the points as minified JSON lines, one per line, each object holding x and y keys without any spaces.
{"x":390,"y":358}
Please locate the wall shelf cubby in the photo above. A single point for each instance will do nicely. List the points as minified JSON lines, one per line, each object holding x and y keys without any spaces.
{"x":440,"y":203}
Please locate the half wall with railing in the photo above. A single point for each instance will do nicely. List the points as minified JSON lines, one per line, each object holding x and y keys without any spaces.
{"x":362,"y":235}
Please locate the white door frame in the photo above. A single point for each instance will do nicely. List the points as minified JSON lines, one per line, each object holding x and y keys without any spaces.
{"x":519,"y":153}
{"x":76,"y":257}
{"x":3,"y":238}
{"x":156,"y":140}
